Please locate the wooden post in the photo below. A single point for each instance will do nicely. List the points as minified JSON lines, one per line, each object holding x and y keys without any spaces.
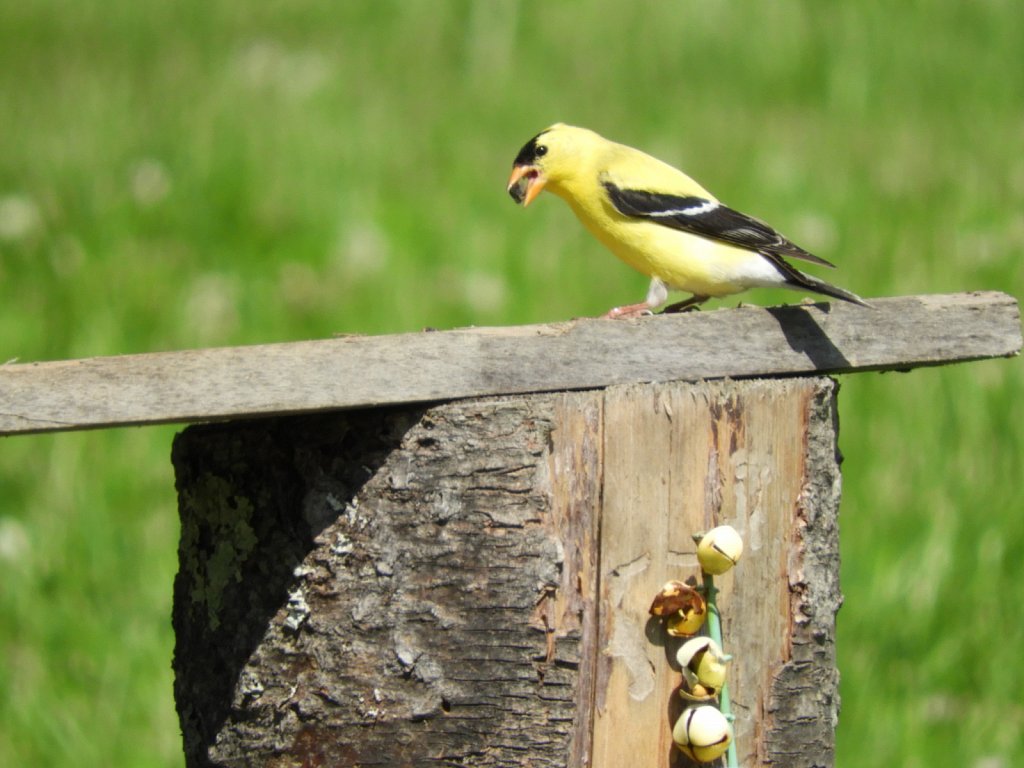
{"x":468,"y":584}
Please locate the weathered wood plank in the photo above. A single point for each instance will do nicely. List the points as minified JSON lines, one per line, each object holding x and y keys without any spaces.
{"x":351,"y":372}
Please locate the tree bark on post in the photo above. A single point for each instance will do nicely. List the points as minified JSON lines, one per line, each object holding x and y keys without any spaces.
{"x":467,"y":584}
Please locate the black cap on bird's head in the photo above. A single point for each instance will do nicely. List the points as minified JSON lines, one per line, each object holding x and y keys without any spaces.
{"x":532,"y":150}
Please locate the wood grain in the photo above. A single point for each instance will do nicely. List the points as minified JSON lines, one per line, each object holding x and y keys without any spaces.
{"x":680,"y":459}
{"x":353,"y":372}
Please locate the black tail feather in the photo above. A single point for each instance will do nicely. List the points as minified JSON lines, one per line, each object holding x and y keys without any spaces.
{"x":820,"y":286}
{"x":797,"y":279}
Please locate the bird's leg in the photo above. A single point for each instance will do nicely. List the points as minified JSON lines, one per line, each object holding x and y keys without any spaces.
{"x":688,"y":305}
{"x":656,"y":295}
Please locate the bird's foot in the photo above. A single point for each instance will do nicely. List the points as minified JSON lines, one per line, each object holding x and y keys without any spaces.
{"x":675,"y":309}
{"x":692,"y":304}
{"x":627,"y":312}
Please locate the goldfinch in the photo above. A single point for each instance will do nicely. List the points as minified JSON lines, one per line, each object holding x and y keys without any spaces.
{"x":659,"y":221}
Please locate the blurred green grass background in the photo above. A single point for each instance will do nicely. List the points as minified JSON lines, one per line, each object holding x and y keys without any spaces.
{"x":187,"y":174}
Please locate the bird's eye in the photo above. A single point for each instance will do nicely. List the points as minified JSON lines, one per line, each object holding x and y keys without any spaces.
{"x":541,"y":150}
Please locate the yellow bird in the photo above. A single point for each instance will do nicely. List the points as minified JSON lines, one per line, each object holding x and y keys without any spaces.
{"x":660,"y":221}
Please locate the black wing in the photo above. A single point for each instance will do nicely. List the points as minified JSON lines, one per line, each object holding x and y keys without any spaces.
{"x":707,"y":218}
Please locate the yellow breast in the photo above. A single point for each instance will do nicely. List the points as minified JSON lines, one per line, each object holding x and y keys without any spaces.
{"x":682,"y":261}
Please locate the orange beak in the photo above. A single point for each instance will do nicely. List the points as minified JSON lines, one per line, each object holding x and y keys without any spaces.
{"x":525,"y":183}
